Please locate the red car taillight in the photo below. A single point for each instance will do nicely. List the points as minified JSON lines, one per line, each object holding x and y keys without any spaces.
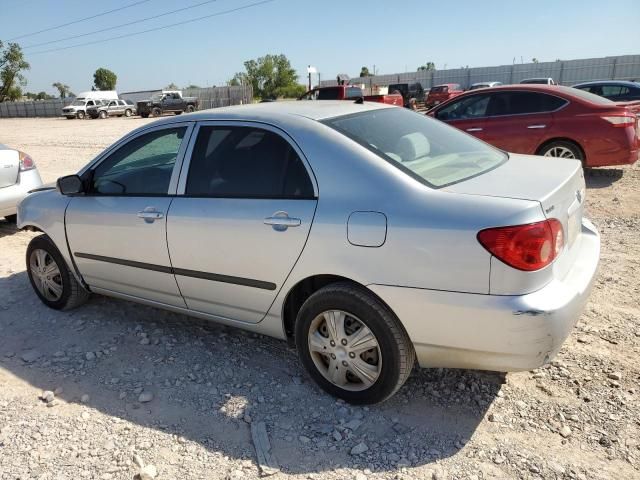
{"x":26,"y":162}
{"x":621,"y":120}
{"x":525,"y":247}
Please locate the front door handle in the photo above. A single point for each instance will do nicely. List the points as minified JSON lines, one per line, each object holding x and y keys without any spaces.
{"x":537,"y":126}
{"x":474,"y":129}
{"x":150,"y":215}
{"x":280,"y":221}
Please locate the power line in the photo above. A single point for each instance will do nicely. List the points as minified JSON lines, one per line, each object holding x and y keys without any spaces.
{"x":81,"y":20}
{"x":244,"y":7}
{"x":119,"y":26}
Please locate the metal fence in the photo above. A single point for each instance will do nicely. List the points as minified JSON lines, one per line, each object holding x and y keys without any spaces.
{"x":211,"y":97}
{"x":564,"y":72}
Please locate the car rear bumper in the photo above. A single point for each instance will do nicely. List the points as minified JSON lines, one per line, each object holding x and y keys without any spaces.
{"x":491,"y":332}
{"x":11,"y":196}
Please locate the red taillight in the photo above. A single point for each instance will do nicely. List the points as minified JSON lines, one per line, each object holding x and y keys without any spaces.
{"x":621,"y":121}
{"x":26,"y":162}
{"x":525,"y":247}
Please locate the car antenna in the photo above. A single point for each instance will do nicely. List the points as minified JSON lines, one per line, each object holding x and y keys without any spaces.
{"x":359,"y":100}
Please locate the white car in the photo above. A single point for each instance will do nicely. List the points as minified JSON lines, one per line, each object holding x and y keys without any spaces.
{"x":370,"y":236}
{"x":18,"y":175}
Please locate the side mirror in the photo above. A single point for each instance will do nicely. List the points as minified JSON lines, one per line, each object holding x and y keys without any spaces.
{"x":70,"y":185}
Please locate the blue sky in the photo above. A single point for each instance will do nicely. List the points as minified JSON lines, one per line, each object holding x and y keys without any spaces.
{"x":335,"y":36}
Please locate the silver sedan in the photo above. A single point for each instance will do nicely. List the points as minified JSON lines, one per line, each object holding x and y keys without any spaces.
{"x":369,"y":236}
{"x":18,"y":175}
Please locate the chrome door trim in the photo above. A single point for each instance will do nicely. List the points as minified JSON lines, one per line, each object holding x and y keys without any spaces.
{"x":136,"y":133}
{"x":184,"y":172}
{"x":214,"y":277}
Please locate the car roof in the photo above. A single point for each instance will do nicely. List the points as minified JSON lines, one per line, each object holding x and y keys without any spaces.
{"x":282,"y":112}
{"x":609,"y":82}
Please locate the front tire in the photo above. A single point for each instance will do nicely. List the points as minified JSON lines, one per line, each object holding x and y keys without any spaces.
{"x":102,"y":114}
{"x":50,"y":277}
{"x":352,"y":345}
{"x":80,"y":115}
{"x":127,"y":113}
{"x":191,"y":109}
{"x":11,"y":218}
{"x":562,"y":149}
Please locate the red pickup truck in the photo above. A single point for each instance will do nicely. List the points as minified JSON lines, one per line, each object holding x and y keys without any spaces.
{"x":350,"y":92}
{"x":441,"y":93}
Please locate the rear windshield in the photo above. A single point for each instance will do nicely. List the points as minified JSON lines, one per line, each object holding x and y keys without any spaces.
{"x":589,"y":97}
{"x":426,"y":149}
{"x":440,"y":89}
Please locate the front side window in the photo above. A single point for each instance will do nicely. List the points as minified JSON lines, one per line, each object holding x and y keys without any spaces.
{"x":474,"y":106}
{"x":428,"y":150}
{"x":143,"y":166}
{"x":246,"y":162}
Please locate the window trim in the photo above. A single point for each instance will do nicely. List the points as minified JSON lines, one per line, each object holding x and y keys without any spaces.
{"x":186,"y":164}
{"x":173,"y":182}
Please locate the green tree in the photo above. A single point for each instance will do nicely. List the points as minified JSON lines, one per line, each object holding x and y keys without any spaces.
{"x":193,"y":86}
{"x":270,"y":76}
{"x":172,"y":86}
{"x":427,"y":67}
{"x":104,"y":79}
{"x":364,"y":72}
{"x":535,"y":60}
{"x":293,"y":91}
{"x":38,"y":96}
{"x":12,"y":63}
{"x":63,"y":89}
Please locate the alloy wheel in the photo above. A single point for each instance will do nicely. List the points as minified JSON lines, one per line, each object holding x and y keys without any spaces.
{"x":46,"y":274}
{"x":561,"y":152}
{"x":344,"y":350}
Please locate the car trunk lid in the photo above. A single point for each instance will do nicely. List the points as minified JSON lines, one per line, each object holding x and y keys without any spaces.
{"x":557,"y":184}
{"x":9,"y":166}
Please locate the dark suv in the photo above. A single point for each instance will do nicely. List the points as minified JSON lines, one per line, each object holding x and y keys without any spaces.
{"x":618,"y":91}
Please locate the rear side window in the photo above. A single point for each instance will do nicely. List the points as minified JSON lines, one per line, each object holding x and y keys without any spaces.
{"x":354,"y":92}
{"x":440,"y":89}
{"x":329,"y":94}
{"x":245,"y":162}
{"x":518,"y":103}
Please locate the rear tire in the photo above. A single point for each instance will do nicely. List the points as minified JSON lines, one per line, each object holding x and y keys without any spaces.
{"x":144,"y":115}
{"x":80,"y":115}
{"x":333,"y":356}
{"x":50,"y":277}
{"x":11,"y":218}
{"x":127,"y":113}
{"x":156,"y":112}
{"x":190,"y":109}
{"x":562,"y":149}
{"x":102,"y":114}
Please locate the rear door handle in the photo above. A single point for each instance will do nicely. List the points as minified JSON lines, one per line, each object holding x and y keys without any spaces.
{"x":280,"y":221}
{"x":537,"y":126}
{"x":474,"y":129}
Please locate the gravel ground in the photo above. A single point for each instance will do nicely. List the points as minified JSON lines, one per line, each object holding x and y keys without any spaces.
{"x":114,"y":390}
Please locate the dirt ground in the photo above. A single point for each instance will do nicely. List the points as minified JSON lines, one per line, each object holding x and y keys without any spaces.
{"x":137,"y":386}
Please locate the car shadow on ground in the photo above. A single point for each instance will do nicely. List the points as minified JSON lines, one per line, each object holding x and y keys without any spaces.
{"x":7,"y":228}
{"x":602,"y":177}
{"x":207,"y":380}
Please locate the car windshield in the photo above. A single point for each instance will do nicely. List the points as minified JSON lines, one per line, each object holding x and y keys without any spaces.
{"x":426,"y":149}
{"x":156,"y":97}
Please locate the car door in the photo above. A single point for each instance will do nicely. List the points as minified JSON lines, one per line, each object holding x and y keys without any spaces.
{"x":117,"y":230}
{"x":241,"y":218}
{"x":467,"y":114}
{"x":518,"y":120}
{"x":112,"y":108}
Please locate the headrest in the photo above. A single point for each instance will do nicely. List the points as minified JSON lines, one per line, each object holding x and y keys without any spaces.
{"x":413,"y":146}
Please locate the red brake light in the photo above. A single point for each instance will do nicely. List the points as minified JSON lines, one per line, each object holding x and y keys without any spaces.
{"x":26,"y":162}
{"x":525,"y":247}
{"x":620,"y":120}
